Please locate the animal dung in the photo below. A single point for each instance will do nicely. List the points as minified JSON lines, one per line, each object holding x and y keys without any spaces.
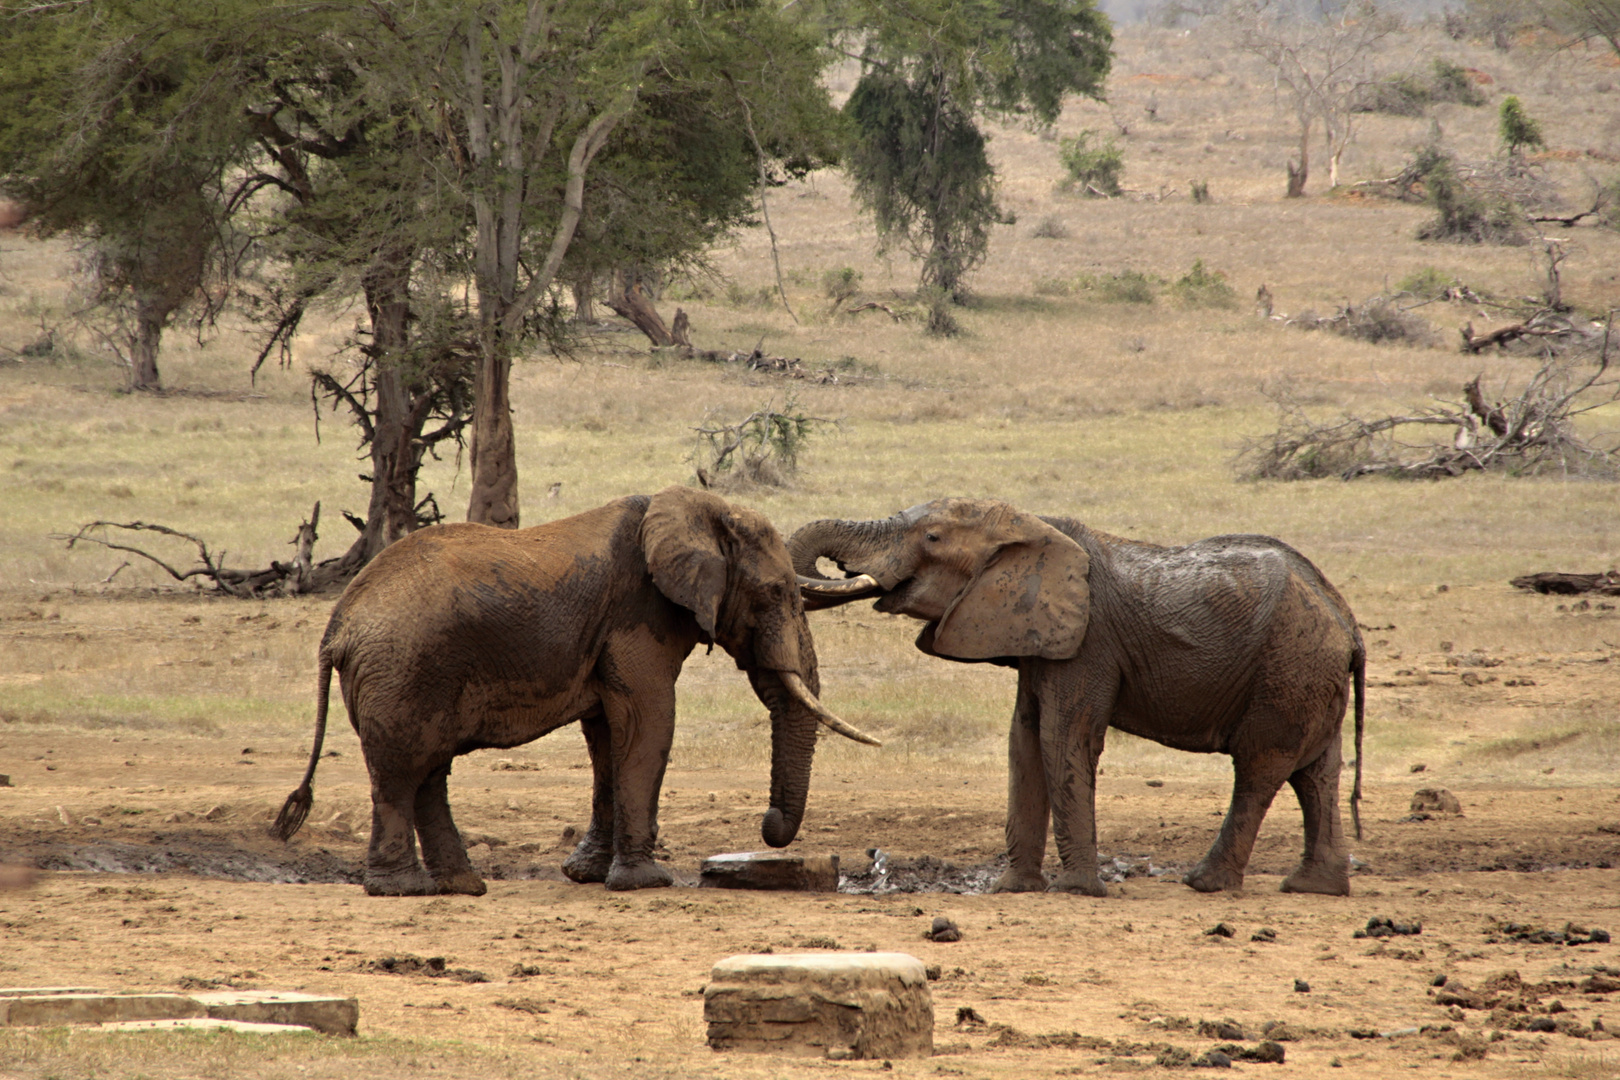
{"x":770,"y":870}
{"x":840,"y":1005}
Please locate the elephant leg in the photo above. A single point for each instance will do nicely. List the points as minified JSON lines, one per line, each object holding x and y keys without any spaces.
{"x":392,"y":868}
{"x":1322,"y":869}
{"x":1028,"y":807}
{"x":1255,"y":783}
{"x":592,"y":857}
{"x":442,"y":848}
{"x":1075,"y":711}
{"x":641,"y":726}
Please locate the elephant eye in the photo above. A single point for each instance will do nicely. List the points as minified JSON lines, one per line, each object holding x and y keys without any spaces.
{"x":933,"y":537}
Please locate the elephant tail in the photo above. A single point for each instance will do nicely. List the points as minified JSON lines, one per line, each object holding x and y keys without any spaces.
{"x":1358,"y":669}
{"x":296,"y":808}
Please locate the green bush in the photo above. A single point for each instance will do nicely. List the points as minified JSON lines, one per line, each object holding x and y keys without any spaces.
{"x":1093,"y":167}
{"x":1462,"y":214}
{"x":1516,"y":127}
{"x":1127,"y":287}
{"x":841,"y":285}
{"x":1426,"y":284}
{"x":1451,"y":82}
{"x":1202,"y":287}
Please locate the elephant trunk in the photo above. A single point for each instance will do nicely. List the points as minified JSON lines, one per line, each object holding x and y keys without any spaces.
{"x":863,"y":546}
{"x":793,"y":745}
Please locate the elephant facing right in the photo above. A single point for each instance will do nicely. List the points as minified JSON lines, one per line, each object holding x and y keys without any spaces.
{"x":1235,"y":645}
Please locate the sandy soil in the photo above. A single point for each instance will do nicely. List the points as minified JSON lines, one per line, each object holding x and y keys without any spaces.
{"x":584,"y":982}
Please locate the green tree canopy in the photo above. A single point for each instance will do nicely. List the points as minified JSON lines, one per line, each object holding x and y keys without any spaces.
{"x":929,"y":70}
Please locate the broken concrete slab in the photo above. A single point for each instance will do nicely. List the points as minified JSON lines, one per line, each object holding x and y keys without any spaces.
{"x":47,"y":1006}
{"x":329,"y":1015}
{"x":770,"y":870}
{"x":59,"y":1010}
{"x":204,"y":1023}
{"x":837,"y":1005}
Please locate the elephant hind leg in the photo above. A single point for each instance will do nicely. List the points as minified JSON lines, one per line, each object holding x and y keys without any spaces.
{"x":1322,"y":869}
{"x":392,"y":868}
{"x":1254,"y":785}
{"x":442,"y":848}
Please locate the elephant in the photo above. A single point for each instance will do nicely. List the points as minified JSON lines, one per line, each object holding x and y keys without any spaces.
{"x":1234,"y":645}
{"x":465,"y":637}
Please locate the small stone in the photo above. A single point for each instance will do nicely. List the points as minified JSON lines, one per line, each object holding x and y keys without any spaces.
{"x":1542,"y":1023}
{"x":1438,"y":800}
{"x":1417,"y":767}
{"x":1212,"y":1059}
{"x":1221,"y":1029}
{"x":215,"y":813}
{"x":1220,"y":930}
{"x":934,"y":972}
{"x":1264,"y":934}
{"x":1301,"y":986}
{"x":5,"y":779}
{"x":771,"y":870}
{"x":1155,"y":783}
{"x":943,"y":930}
{"x":1438,"y":980}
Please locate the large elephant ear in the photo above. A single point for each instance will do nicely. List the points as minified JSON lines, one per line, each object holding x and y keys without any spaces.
{"x":680,"y":540}
{"x":1031,"y":597}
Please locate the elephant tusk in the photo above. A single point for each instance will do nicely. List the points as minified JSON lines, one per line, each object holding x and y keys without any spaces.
{"x":796,"y":687}
{"x":861,"y":583}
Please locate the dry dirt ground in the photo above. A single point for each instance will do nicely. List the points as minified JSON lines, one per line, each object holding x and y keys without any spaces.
{"x":158,"y":873}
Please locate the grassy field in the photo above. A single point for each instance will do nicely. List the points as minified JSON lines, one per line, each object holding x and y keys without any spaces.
{"x":1128,"y":416}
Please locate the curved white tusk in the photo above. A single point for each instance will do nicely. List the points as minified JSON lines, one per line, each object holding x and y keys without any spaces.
{"x":838,"y":587}
{"x":796,"y":687}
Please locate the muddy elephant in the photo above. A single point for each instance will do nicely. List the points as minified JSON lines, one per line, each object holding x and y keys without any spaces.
{"x":1235,"y":645}
{"x":465,"y":637}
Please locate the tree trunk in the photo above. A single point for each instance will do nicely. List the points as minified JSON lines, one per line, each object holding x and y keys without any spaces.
{"x":584,"y":290}
{"x":493,"y":449}
{"x":1297,"y":174}
{"x":150,"y":317}
{"x":399,"y":414}
{"x":634,"y":305}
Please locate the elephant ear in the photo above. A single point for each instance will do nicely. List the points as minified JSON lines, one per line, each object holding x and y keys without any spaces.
{"x":680,"y":540}
{"x":1031,"y":597}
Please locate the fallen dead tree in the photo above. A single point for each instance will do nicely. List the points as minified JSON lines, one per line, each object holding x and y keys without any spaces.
{"x":786,"y":367}
{"x":297,"y":577}
{"x":1560,"y":584}
{"x":1530,"y":433}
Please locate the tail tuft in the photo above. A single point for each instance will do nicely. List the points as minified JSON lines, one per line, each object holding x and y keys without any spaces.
{"x":293,"y":813}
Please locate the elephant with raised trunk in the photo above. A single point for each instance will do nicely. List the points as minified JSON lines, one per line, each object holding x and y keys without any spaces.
{"x":1234,"y":645}
{"x":465,"y":637}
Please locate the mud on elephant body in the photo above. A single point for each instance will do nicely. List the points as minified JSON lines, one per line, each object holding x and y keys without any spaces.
{"x":465,"y":637}
{"x":1235,"y":645}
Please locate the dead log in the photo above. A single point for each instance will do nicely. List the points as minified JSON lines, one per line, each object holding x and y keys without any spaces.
{"x":1500,"y":336}
{"x":1561,"y":584}
{"x":633,"y":304}
{"x":1491,"y":415}
{"x":873,"y":305}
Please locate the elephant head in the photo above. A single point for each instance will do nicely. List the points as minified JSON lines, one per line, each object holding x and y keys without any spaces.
{"x":727,"y":565}
{"x":990,"y":581}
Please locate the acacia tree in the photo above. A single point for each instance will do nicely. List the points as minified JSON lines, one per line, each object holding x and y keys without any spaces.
{"x":86,"y":95}
{"x":929,"y":70}
{"x":1321,"y":59}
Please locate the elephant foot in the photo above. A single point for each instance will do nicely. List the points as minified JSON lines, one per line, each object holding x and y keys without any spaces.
{"x":638,"y":875}
{"x":412,"y":882}
{"x":1207,"y":878}
{"x":589,"y":863}
{"x":463,"y":883}
{"x":1082,"y":884}
{"x":1324,"y":878}
{"x":1020,"y":881}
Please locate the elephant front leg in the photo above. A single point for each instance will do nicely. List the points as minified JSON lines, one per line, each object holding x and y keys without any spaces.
{"x":1254,"y":785}
{"x":1074,"y":720}
{"x":1027,"y":805}
{"x":392,"y":868}
{"x":641,"y":727}
{"x":1323,"y":868}
{"x":443,"y":850}
{"x":592,"y":857}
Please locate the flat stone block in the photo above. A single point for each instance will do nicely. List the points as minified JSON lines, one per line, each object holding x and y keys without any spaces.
{"x":41,"y":991}
{"x":330,"y":1015}
{"x":839,"y":1005}
{"x":203,"y":1023}
{"x":770,"y":870}
{"x":55,"y":1010}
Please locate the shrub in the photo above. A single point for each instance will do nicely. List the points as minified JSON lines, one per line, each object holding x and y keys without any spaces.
{"x":841,"y":285}
{"x":1054,"y":286}
{"x":1399,"y":95}
{"x":1094,"y":167}
{"x":1050,"y":228}
{"x":760,"y":449}
{"x":1200,"y":191}
{"x":1426,"y":284}
{"x":1201,"y":287}
{"x":1462,"y":214}
{"x":1516,"y":127}
{"x":1452,"y":82}
{"x":1127,"y":287}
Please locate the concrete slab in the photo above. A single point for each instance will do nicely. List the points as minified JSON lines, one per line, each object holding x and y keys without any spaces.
{"x":329,"y":1015}
{"x":203,"y":1023}
{"x":57,"y":1010}
{"x":40,"y":991}
{"x":838,"y":1005}
{"x":770,"y":870}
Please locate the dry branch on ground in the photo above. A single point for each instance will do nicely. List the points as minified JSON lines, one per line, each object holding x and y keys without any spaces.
{"x":1561,"y":584}
{"x":1532,"y":432}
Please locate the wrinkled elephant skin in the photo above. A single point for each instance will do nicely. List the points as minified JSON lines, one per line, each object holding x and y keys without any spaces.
{"x":465,"y":637}
{"x":1235,"y":645}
